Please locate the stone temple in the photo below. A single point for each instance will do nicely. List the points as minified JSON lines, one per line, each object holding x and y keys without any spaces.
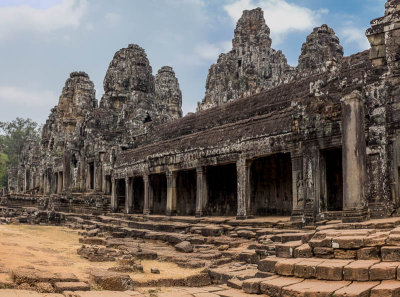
{"x":320,"y":141}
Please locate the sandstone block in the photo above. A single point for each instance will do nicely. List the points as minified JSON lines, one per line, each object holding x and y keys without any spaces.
{"x":286,"y":250}
{"x":286,"y":266}
{"x":348,"y":242}
{"x":358,"y":270}
{"x":111,"y":280}
{"x":267,"y":264}
{"x":387,"y":288}
{"x":368,"y":253}
{"x":390,"y":253}
{"x":356,"y":289}
{"x":303,"y":251}
{"x":273,"y":286}
{"x":331,"y":270}
{"x":307,"y":268}
{"x":383,"y":271}
{"x":252,"y":286}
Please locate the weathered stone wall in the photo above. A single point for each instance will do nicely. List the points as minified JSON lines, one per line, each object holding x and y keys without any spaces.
{"x":136,"y":153}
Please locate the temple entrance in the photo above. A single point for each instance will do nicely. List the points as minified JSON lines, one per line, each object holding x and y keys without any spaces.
{"x":222,"y":190}
{"x":271,"y":185}
{"x":331,"y":179}
{"x":186,"y":184}
{"x":159,"y":189}
{"x":138,"y":194}
{"x":120,"y":191}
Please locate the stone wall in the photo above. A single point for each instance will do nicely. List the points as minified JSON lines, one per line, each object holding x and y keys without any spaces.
{"x":266,"y":139}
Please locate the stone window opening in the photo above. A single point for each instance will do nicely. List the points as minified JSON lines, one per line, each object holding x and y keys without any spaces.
{"x":91,"y":175}
{"x":148,"y":118}
{"x":239,"y":63}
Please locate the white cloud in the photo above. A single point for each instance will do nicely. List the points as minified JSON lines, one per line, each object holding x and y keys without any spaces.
{"x":208,"y":52}
{"x":356,"y":36}
{"x":12,"y":95}
{"x":281,"y":16}
{"x":20,"y":19}
{"x":112,"y":19}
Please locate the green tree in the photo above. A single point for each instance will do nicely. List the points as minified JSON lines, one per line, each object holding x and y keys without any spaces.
{"x":3,"y":170}
{"x":13,"y":136}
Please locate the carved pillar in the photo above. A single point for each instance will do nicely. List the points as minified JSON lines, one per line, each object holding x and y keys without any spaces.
{"x":59,"y":182}
{"x":201,"y":191}
{"x":171,"y":193}
{"x":298,"y":187}
{"x":128,"y":195}
{"x":148,"y":195}
{"x":243,"y":188}
{"x":114,"y":198}
{"x":354,"y":157}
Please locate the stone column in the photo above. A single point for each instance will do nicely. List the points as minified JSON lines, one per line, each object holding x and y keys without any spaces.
{"x":114,"y":198}
{"x":171,"y":193}
{"x":298,"y":187}
{"x":243,"y":188}
{"x":148,"y":193}
{"x":128,"y":195}
{"x":201,"y":191}
{"x":354,"y":153}
{"x":59,"y":182}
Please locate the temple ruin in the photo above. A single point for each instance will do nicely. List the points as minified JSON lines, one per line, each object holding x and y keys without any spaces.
{"x":317,"y":141}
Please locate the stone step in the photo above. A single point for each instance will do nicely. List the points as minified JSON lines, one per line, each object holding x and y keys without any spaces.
{"x":331,"y":269}
{"x":299,"y":287}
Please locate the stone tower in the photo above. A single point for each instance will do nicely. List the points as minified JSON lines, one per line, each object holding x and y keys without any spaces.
{"x":249,"y":68}
{"x":321,"y":46}
{"x":168,"y":93}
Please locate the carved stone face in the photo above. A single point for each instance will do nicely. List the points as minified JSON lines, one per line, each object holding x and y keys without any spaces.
{"x":129,"y":71}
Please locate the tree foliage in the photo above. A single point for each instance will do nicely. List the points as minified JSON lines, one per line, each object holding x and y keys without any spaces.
{"x":13,"y":136}
{"x":3,"y":170}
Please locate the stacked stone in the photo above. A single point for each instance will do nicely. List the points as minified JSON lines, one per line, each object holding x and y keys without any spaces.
{"x":251,"y":67}
{"x":168,"y":93}
{"x":321,"y":46}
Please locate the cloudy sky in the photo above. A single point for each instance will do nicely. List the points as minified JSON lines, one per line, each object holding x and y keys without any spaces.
{"x":42,"y":41}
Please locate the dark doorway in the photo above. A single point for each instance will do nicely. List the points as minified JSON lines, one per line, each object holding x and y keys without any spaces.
{"x":91,"y":175}
{"x":108,"y":185}
{"x":222,"y":190}
{"x":332,"y":179}
{"x":271,"y":185}
{"x":186,"y":192}
{"x":138,"y":195}
{"x":120,"y":192}
{"x":159,"y":188}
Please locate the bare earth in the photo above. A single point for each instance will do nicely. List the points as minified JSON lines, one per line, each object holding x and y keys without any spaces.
{"x":54,"y":249}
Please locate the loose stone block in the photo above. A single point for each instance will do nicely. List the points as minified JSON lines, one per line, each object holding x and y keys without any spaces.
{"x":273,"y":287}
{"x":268,"y":264}
{"x":286,"y":250}
{"x":358,"y":270}
{"x":307,"y":268}
{"x":388,"y":288}
{"x":356,"y":289}
{"x":383,"y":271}
{"x":313,"y":288}
{"x":390,"y":253}
{"x":286,"y":266}
{"x":252,"y":286}
{"x":303,"y":251}
{"x":368,"y":253}
{"x":331,"y":269}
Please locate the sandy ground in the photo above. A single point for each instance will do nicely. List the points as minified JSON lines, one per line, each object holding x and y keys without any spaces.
{"x":54,"y":249}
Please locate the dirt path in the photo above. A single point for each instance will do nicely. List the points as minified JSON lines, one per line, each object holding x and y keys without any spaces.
{"x":54,"y":249}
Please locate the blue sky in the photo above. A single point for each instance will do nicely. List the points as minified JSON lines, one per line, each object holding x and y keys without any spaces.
{"x":42,"y":41}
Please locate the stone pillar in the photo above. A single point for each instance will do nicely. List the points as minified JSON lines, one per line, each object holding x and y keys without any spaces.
{"x":354,"y":157}
{"x":298,"y":187}
{"x":114,"y":198}
{"x":201,"y":191}
{"x":243,"y":188}
{"x":128,"y":195}
{"x":171,"y":193}
{"x":148,"y":193}
{"x":59,"y":182}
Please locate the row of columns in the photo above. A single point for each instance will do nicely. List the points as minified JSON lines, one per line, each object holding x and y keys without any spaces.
{"x":304,"y":173}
